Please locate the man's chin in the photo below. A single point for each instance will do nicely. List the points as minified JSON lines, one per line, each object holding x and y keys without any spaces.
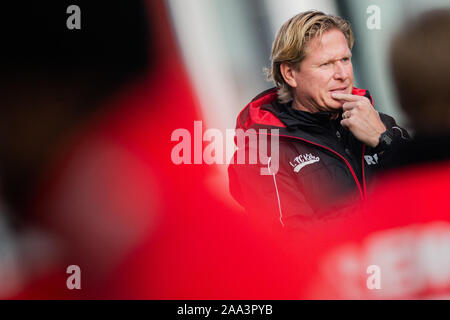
{"x":334,"y":106}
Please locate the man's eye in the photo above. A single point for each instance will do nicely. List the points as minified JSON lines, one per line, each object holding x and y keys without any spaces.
{"x":324,"y":64}
{"x":346,"y":59}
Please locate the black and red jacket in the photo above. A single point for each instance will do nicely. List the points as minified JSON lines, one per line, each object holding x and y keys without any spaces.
{"x":322,"y":166}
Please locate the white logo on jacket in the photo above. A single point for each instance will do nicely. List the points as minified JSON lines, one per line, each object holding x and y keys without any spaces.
{"x":371,"y":160}
{"x":303,"y":160}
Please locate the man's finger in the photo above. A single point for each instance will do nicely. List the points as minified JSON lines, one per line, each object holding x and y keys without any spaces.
{"x":349,"y":106}
{"x":345,"y":96}
{"x":345,"y":123}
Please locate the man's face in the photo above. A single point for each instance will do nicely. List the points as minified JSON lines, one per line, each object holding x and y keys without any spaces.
{"x":327,"y":68}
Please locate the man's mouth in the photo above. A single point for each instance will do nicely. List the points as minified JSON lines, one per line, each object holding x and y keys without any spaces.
{"x":339,"y":90}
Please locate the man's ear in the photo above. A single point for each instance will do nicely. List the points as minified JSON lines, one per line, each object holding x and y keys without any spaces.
{"x":287,"y":71}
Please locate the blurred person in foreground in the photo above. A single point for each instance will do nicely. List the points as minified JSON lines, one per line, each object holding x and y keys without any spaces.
{"x":400,"y":247}
{"x":330,"y":135}
{"x":56,"y":85}
{"x":86,"y":120}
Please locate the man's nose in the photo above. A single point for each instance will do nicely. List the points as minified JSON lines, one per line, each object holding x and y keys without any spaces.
{"x":340,"y":72}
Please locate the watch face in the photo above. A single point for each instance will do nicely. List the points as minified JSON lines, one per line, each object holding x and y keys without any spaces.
{"x":386,"y":138}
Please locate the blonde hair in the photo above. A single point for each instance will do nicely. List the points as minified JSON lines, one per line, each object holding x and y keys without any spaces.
{"x":291,"y":43}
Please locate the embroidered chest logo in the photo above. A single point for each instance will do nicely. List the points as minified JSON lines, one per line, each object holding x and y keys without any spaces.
{"x":303,"y":160}
{"x":371,"y":160}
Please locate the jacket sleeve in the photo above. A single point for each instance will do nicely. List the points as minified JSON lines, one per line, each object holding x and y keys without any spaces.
{"x":400,"y":136}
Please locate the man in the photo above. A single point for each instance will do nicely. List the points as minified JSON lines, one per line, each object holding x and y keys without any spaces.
{"x":400,"y":248}
{"x":330,"y":134}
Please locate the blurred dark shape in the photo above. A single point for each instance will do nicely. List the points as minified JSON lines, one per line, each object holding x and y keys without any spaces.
{"x":113,"y":39}
{"x":53,"y":78}
{"x":421,"y":70}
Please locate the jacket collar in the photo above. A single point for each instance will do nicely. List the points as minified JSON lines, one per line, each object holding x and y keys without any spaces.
{"x":264,"y":111}
{"x":293,"y":118}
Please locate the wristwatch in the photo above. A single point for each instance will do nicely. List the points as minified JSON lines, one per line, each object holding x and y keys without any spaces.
{"x":385,"y":141}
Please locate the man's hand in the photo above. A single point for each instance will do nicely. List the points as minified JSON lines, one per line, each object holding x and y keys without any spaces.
{"x":361,"y":118}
